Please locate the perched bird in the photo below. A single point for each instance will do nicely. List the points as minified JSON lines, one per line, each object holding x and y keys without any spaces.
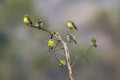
{"x":51,"y":44}
{"x":71,"y":25}
{"x":71,"y":38}
{"x":39,"y":24}
{"x":61,"y":63}
{"x":27,"y":20}
{"x":93,"y":42}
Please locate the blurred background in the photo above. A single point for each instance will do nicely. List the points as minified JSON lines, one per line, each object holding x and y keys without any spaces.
{"x":24,"y":51}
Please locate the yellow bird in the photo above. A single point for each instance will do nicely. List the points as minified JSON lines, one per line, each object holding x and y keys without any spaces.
{"x":71,"y":25}
{"x":51,"y":44}
{"x":61,"y":63}
{"x":93,"y":42}
{"x":27,"y":20}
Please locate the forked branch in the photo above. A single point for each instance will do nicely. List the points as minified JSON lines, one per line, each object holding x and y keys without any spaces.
{"x":66,"y":50}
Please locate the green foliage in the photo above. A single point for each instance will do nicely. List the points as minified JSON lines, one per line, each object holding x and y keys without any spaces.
{"x":40,"y":62}
{"x":100,"y":18}
{"x":13,"y":10}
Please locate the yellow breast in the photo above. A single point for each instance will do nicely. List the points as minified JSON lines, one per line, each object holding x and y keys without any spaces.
{"x":51,"y":43}
{"x":70,"y":25}
{"x":26,"y":21}
{"x":62,"y":63}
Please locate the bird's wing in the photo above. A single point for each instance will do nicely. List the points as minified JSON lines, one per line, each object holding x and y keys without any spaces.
{"x":30,"y":20}
{"x":74,"y":25}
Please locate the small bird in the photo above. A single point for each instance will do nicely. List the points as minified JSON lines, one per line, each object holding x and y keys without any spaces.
{"x":61,"y":63}
{"x":93,"y":42}
{"x":71,"y":25}
{"x":27,"y":20}
{"x":51,"y":44}
{"x":71,"y":38}
{"x":39,"y":24}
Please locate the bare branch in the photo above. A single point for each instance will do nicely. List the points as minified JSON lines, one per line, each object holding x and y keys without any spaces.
{"x":66,"y":50}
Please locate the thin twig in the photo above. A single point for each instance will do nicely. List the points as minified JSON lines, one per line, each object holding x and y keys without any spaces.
{"x":56,"y":49}
{"x":61,"y":52}
{"x":56,"y":57}
{"x":81,"y":56}
{"x":86,"y":59}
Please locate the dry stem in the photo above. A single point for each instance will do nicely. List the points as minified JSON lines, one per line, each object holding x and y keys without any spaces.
{"x":66,"y":50}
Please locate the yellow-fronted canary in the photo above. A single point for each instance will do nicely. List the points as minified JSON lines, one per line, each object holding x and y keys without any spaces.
{"x":51,"y":44}
{"x":71,"y":25}
{"x":27,"y":20}
{"x":61,"y":63}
